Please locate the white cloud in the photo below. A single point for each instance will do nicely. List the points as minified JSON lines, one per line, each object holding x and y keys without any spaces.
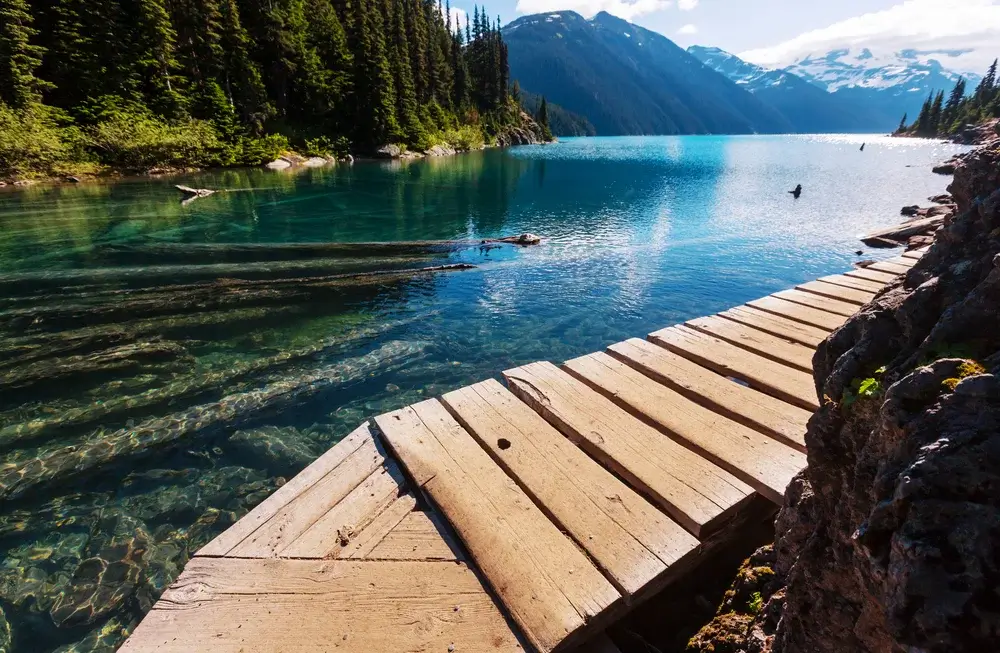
{"x":687,"y":5}
{"x":458,"y":17}
{"x":626,"y":9}
{"x":688,"y":29}
{"x":926,"y":25}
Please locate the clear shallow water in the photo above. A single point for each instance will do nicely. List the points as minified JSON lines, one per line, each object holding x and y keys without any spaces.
{"x":120,"y":474}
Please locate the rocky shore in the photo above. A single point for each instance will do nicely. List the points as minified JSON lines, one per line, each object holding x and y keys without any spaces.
{"x":890,"y":540}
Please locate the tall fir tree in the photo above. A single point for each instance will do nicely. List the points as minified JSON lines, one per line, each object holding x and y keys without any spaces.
{"x":902,"y":125}
{"x":412,"y":130}
{"x":937,"y":107}
{"x":19,"y":58}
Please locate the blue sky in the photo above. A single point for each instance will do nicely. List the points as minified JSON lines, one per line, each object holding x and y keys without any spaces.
{"x":775,"y":32}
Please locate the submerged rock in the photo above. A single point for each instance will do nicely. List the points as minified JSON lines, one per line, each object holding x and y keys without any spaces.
{"x":286,"y":447}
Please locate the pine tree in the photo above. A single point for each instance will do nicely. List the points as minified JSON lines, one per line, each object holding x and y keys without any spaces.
{"x":406,"y":97}
{"x":543,"y":119}
{"x":954,"y":101}
{"x":18,"y":57}
{"x":240,"y":75}
{"x":374,"y":111}
{"x":155,"y":57}
{"x":937,"y":107}
{"x":416,"y":36}
{"x":902,"y":125}
{"x":922,"y":125}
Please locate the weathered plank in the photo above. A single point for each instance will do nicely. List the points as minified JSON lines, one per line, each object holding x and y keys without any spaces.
{"x":835,"y":291}
{"x":334,"y":530}
{"x":546,"y":583}
{"x":764,"y":344}
{"x":798,"y":313}
{"x":891,"y":268}
{"x":363,"y":544}
{"x":271,"y":538}
{"x":233,"y":605}
{"x":764,"y":463}
{"x":777,"y":325}
{"x":819,"y":303}
{"x":901,"y":260}
{"x":913,"y":254}
{"x":417,"y":537}
{"x":747,"y":406}
{"x":302,"y":481}
{"x":853,"y":282}
{"x":872,"y":275}
{"x":629,"y":539}
{"x":695,"y":492}
{"x":777,"y":380}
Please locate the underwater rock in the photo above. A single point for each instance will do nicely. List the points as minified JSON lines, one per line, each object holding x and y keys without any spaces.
{"x":285,"y":447}
{"x":6,"y":635}
{"x":103,"y":640}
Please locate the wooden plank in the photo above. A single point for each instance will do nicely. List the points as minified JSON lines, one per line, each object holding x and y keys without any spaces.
{"x":783,"y":327}
{"x":853,"y":282}
{"x":901,"y":260}
{"x":913,"y":254}
{"x":546,"y":583}
{"x":632,"y":542}
{"x":303,"y":511}
{"x":891,"y":268}
{"x":698,"y":494}
{"x":872,"y":275}
{"x":764,"y":463}
{"x":747,"y":406}
{"x":374,"y":533}
{"x":775,"y":379}
{"x":232,"y":605}
{"x":764,"y":344}
{"x":835,"y":291}
{"x":817,"y":302}
{"x":346,"y":520}
{"x":798,"y":313}
{"x":264,"y":511}
{"x":417,"y":537}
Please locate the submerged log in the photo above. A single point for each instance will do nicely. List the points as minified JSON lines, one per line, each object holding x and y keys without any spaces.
{"x":129,"y":304}
{"x":158,"y":253}
{"x":232,"y":411}
{"x":193,"y":385}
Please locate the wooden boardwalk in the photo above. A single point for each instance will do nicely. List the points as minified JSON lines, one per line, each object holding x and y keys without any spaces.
{"x":530,"y":515}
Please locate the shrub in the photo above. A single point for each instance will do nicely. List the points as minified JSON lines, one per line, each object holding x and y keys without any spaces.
{"x":466,"y":137}
{"x":134,"y":138}
{"x":32,"y":141}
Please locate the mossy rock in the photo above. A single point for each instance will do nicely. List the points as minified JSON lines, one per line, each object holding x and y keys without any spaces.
{"x":727,"y":633}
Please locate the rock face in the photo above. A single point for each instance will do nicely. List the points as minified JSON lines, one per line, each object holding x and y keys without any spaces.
{"x":889,"y":542}
{"x":528,"y":132}
{"x":389,"y":151}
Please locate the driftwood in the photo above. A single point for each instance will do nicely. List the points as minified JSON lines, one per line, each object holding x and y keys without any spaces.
{"x":232,"y":411}
{"x":899,"y":234}
{"x":193,"y":385}
{"x":159,"y":253}
{"x":128,"y":304}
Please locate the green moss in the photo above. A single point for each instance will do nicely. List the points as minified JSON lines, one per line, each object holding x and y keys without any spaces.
{"x":756,"y":603}
{"x":966,"y":369}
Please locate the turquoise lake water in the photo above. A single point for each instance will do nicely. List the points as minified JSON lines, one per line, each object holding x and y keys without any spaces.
{"x":115,"y":468}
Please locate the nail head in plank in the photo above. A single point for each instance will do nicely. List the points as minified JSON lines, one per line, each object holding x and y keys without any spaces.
{"x":804,"y":334}
{"x":304,"y":510}
{"x":629,"y":539}
{"x":376,"y":531}
{"x":815,"y":301}
{"x":762,"y":462}
{"x":853,"y":282}
{"x":416,"y":537}
{"x":747,"y":406}
{"x":763,"y":344}
{"x":834,"y":291}
{"x":798,"y":313}
{"x":695,"y":492}
{"x":302,"y":481}
{"x":872,"y":275}
{"x":346,"y":520}
{"x":546,"y":583}
{"x":777,"y":380}
{"x":232,"y":605}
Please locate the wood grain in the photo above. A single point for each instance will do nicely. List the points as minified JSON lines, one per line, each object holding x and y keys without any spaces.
{"x":872,"y":275}
{"x":853,"y":282}
{"x":632,"y":542}
{"x":820,"y":303}
{"x":798,"y":313}
{"x":697,"y":493}
{"x":804,"y":334}
{"x":759,"y":342}
{"x":749,"y":407}
{"x":361,"y":545}
{"x":775,"y":379}
{"x":417,"y":537}
{"x":834,"y":291}
{"x":764,"y":463}
{"x":232,"y":605}
{"x":546,"y":583}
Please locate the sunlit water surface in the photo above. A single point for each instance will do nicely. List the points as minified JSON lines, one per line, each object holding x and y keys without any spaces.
{"x":640,"y":233}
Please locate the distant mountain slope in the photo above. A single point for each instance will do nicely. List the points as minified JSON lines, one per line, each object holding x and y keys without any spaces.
{"x":629,"y":80}
{"x":889,"y":84}
{"x":809,"y":108}
{"x":561,"y":121}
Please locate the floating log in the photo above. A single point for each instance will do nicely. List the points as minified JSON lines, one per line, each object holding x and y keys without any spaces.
{"x":192,"y":386}
{"x":202,"y":297}
{"x":158,"y":253}
{"x":193,"y":193}
{"x":232,"y":411}
{"x":900,"y":233}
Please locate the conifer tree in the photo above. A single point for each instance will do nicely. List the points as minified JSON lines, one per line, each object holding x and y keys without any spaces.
{"x":937,"y":107}
{"x":902,"y":125}
{"x":406,"y":97}
{"x":374,"y":111}
{"x":18,"y":57}
{"x":923,"y":119}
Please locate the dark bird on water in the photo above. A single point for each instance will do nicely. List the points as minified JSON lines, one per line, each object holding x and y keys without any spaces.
{"x":862,"y":147}
{"x":798,"y":191}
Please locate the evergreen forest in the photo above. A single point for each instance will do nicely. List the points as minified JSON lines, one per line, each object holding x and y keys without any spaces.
{"x":943,"y":115}
{"x":134,"y":85}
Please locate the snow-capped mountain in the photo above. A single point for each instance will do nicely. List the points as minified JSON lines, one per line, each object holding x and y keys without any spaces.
{"x":746,"y":74}
{"x":907,"y":71}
